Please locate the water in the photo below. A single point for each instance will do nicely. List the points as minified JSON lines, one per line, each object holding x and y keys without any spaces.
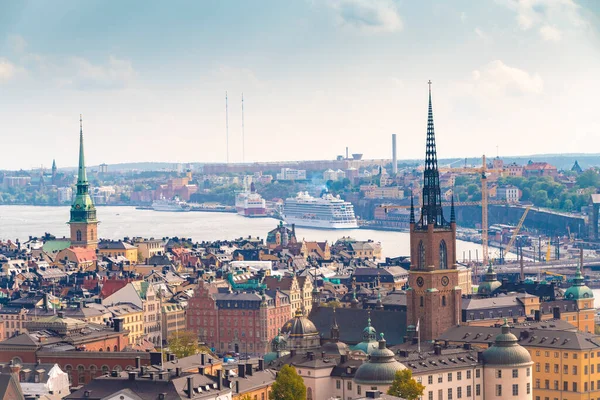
{"x":117,"y":222}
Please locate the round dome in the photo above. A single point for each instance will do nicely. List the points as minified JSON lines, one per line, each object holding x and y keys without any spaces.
{"x":488,"y":287}
{"x":381,"y":367}
{"x":506,"y":351}
{"x":335,"y":349}
{"x":366,"y":347}
{"x":579,"y":292}
{"x":299,"y":326}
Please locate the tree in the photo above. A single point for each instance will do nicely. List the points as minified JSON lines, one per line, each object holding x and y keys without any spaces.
{"x":589,"y":178}
{"x":183,"y":343}
{"x":288,"y":385}
{"x":334,"y":304}
{"x":405,"y":386}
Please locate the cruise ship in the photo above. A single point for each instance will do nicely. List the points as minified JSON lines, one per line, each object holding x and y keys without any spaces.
{"x":174,"y":205}
{"x":250,"y":204}
{"x":327,"y":212}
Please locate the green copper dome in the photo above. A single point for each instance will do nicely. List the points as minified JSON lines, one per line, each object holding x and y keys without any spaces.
{"x":381,"y":367}
{"x":490,"y":283}
{"x":369,"y":343}
{"x":506,"y":350}
{"x":579,"y":290}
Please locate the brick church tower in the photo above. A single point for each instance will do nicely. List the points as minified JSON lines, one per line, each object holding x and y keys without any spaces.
{"x":434,"y":297}
{"x":83,"y":222}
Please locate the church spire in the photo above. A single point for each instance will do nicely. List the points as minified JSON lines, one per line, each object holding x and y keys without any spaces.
{"x":81,"y":174}
{"x":452,"y":213}
{"x":432,"y":199}
{"x":412,"y":210}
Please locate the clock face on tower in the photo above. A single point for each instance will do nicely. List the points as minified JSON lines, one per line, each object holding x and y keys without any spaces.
{"x":445,"y":280}
{"x":420,"y":281}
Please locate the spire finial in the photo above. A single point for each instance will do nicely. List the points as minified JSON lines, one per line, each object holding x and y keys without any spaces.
{"x":429,"y":83}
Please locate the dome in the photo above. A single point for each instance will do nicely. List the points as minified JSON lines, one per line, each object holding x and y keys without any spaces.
{"x":369,"y":343}
{"x":381,"y":367}
{"x":579,"y":290}
{"x":506,"y":351}
{"x":366,"y":347}
{"x":490,"y":283}
{"x":335,"y":349}
{"x":299,"y":326}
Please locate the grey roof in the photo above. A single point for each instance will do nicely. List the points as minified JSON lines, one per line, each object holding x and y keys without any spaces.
{"x":380,"y":368}
{"x":352,"y":321}
{"x":506,"y":350}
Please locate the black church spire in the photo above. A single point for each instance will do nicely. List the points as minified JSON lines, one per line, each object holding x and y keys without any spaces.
{"x":431,"y":213}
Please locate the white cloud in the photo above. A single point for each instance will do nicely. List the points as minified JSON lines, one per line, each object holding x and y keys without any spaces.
{"x":371,"y":16}
{"x":482,"y":35}
{"x":497,"y":78}
{"x":114,"y":74}
{"x":7,"y":70}
{"x":550,"y":33}
{"x":17,"y":43}
{"x":549,"y":17}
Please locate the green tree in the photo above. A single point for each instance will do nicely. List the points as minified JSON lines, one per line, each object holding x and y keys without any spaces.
{"x":333,"y":303}
{"x":183,"y":343}
{"x":540,"y":198}
{"x":288,"y":385}
{"x":589,"y":178}
{"x":405,"y":386}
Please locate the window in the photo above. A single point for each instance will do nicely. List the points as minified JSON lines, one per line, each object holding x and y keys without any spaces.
{"x":449,"y":393}
{"x":565,"y":386}
{"x":449,"y":376}
{"x":515,"y":389}
{"x":498,"y":390}
{"x":469,"y":374}
{"x":78,"y":235}
{"x":421,"y":257}
{"x":477,"y":373}
{"x":528,"y":388}
{"x":469,"y":391}
{"x":528,"y":372}
{"x":458,"y":376}
{"x":515,"y":373}
{"x":440,"y":378}
{"x":574,"y":386}
{"x":537,"y":367}
{"x":498,"y":373}
{"x":430,"y":395}
{"x":574,"y":369}
{"x":585,"y":369}
{"x":478,"y":390}
{"x":441,"y":394}
{"x":349,"y":386}
{"x":338,"y":384}
{"x":574,"y":356}
{"x":537,"y":383}
{"x":547,"y":367}
{"x":555,"y":385}
{"x":547,"y":384}
{"x":459,"y":392}
{"x":443,"y":255}
{"x":430,"y":380}
{"x":556,"y":368}
{"x":566,"y":355}
{"x":358,"y":390}
{"x":566,"y":369}
{"x":421,"y":301}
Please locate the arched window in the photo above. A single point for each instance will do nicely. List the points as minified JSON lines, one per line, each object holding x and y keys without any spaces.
{"x":116,"y":348}
{"x":421,"y":301}
{"x":105,"y":369}
{"x":443,"y":301}
{"x":93,"y":371}
{"x":107,"y":348}
{"x":17,"y":361}
{"x":443,"y":255}
{"x":309,"y":395}
{"x":80,"y":374}
{"x":68,"y":370}
{"x":421,"y":257}
{"x":79,"y":236}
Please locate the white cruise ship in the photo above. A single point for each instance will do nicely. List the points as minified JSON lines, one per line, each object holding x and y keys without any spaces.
{"x":250,"y":204}
{"x":174,"y":205}
{"x":328,"y":212}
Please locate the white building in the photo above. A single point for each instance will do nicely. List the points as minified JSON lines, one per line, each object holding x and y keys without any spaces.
{"x":510,"y":193}
{"x":290,"y":174}
{"x":65,"y":195}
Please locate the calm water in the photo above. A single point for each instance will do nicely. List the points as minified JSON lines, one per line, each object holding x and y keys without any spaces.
{"x":117,"y":222}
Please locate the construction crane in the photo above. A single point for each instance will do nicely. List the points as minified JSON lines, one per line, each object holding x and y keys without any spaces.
{"x":561,"y":276}
{"x":516,"y":231}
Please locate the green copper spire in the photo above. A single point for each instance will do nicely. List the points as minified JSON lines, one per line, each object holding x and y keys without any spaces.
{"x":83,"y":209}
{"x":81,"y":175}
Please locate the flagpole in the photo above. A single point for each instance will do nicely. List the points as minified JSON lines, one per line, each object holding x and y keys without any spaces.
{"x":419,"y":335}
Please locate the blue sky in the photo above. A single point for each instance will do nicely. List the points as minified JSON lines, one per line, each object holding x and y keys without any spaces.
{"x":317,"y":76}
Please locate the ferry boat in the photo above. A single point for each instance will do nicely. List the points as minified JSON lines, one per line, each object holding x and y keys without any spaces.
{"x":327,"y":212}
{"x":250,"y":204}
{"x":174,"y":205}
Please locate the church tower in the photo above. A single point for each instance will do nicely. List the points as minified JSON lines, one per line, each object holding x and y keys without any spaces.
{"x":434,"y":297}
{"x":83,"y":222}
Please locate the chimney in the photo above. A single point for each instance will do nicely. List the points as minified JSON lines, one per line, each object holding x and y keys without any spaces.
{"x":202,"y":358}
{"x":344,"y":358}
{"x":118,"y":324}
{"x":237,"y":386}
{"x":161,"y":375}
{"x":201,"y":370}
{"x":556,"y":312}
{"x":155,"y":357}
{"x":138,"y":362}
{"x":132,"y":375}
{"x":261,"y":364}
{"x":437,"y":349}
{"x":219,"y":379}
{"x":190,"y":386}
{"x":151,"y":375}
{"x":241,"y":370}
{"x":178,"y":371}
{"x":537,"y":314}
{"x":372,"y":394}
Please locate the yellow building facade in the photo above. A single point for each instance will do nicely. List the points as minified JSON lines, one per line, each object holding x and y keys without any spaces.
{"x":118,"y":248}
{"x":133,"y":320}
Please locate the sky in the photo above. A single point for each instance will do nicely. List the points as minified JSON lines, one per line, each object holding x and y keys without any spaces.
{"x":509,"y":78}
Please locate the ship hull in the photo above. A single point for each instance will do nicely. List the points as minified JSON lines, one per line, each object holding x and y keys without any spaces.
{"x":321,"y":224}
